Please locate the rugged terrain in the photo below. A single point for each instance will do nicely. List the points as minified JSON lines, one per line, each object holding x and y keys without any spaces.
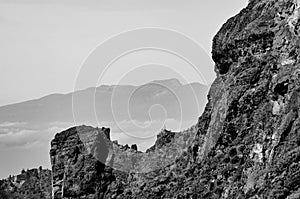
{"x":85,"y":163}
{"x":30,"y":184}
{"x":245,"y":144}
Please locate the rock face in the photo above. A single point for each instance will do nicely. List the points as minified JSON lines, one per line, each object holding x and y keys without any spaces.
{"x":78,"y":163}
{"x":30,"y":184}
{"x":251,"y":123}
{"x":245,"y":144}
{"x":86,"y":164}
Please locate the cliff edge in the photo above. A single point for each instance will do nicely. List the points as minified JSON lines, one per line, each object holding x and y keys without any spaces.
{"x":246,"y":143}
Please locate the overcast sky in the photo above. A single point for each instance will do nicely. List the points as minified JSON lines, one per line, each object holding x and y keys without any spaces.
{"x":44,"y":42}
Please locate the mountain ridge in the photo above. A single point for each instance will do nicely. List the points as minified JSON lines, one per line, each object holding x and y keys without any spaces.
{"x":60,"y":105}
{"x":103,"y":86}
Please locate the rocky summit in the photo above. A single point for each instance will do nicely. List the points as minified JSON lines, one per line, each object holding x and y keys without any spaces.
{"x":245,"y":144}
{"x":86,"y":164}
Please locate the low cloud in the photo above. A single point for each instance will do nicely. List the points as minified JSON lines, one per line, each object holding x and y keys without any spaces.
{"x":18,"y":138}
{"x":12,"y":124}
{"x":22,"y":135}
{"x":25,"y":136}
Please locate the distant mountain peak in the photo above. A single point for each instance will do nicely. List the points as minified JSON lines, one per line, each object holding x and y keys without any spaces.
{"x":167,"y":82}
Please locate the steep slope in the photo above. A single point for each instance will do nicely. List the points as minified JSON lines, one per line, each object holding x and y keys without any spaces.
{"x":251,"y":122}
{"x":246,"y":142}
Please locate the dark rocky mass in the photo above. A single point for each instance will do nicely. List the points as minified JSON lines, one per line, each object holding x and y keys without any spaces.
{"x":77,"y":167}
{"x":86,"y":164}
{"x":30,"y":184}
{"x":246,"y":143}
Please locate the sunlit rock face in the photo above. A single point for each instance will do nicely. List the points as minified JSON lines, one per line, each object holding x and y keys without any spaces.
{"x":246,"y":142}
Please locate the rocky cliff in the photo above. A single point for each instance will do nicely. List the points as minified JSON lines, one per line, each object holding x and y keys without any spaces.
{"x":86,"y":164}
{"x":246,"y":143}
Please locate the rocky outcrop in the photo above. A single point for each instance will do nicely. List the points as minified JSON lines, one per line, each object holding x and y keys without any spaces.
{"x":78,"y":157}
{"x":245,"y":144}
{"x":85,"y":163}
{"x":30,"y":184}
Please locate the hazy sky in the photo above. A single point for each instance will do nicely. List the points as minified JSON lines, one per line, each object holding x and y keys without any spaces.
{"x":44,"y":42}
